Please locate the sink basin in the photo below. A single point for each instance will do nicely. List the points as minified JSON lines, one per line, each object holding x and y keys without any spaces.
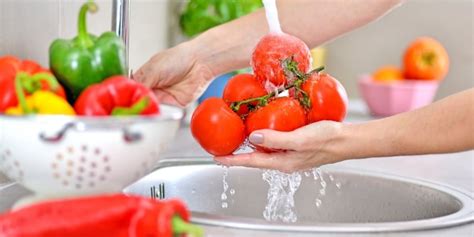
{"x":354,"y":200}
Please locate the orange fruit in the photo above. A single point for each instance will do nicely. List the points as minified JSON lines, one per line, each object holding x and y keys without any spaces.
{"x":425,"y":59}
{"x":388,"y":74}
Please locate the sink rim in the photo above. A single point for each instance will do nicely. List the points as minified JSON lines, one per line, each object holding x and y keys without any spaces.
{"x":465,"y":215}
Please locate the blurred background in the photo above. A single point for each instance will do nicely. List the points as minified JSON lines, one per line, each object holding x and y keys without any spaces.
{"x":28,"y":26}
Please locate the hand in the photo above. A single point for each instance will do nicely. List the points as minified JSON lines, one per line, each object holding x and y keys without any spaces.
{"x":307,"y":147}
{"x":175,"y":75}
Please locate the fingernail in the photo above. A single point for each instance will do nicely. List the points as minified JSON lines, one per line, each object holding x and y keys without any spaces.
{"x":256,"y":138}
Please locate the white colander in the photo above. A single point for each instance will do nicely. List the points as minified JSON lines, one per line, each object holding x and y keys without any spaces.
{"x":58,"y":156}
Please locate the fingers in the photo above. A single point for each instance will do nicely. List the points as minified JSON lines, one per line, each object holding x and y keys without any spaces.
{"x":166,"y":98}
{"x":287,"y":162}
{"x":275,"y":139}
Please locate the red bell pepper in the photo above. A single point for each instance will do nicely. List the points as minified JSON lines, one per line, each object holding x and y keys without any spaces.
{"x":38,"y":79}
{"x":117,"y":95}
{"x":112,"y":215}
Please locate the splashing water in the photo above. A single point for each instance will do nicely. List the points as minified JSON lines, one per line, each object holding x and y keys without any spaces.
{"x":280,"y":196}
{"x":225,"y":186}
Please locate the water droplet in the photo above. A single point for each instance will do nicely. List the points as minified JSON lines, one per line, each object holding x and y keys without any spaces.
{"x":323,"y":184}
{"x":338,"y":185}
{"x":225,"y":205}
{"x":193,"y":191}
{"x":232,"y":191}
{"x":318,"y":202}
{"x":224,"y":196}
{"x":331,"y":177}
{"x":322,"y":192}
{"x":307,"y":174}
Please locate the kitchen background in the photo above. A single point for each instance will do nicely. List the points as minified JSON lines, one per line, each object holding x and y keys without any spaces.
{"x":28,"y":26}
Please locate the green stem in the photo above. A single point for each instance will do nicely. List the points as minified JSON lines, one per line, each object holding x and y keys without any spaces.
{"x":20,"y":76}
{"x":83,"y":36}
{"x":34,"y":82}
{"x":235,"y":106}
{"x":182,"y":227}
{"x":136,"y":108}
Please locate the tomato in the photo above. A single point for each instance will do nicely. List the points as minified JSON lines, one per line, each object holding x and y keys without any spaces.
{"x":217,"y":128}
{"x":269,"y":53}
{"x":425,"y":59}
{"x":281,"y":114}
{"x":242,"y":87}
{"x":328,"y":98}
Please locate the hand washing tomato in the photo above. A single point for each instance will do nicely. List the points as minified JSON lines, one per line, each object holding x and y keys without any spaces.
{"x":242,"y":87}
{"x":218,"y":129}
{"x":281,"y":114}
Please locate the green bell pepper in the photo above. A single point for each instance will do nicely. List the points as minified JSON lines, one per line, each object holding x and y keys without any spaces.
{"x":86,"y":59}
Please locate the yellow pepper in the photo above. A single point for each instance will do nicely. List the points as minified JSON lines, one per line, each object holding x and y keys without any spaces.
{"x":44,"y":102}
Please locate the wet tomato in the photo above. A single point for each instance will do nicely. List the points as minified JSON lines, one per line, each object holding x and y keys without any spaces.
{"x":269,"y":53}
{"x":281,"y":114}
{"x":327,"y":96}
{"x":217,"y":128}
{"x":242,"y":87}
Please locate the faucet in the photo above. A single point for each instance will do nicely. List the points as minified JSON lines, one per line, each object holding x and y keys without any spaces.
{"x":121,"y":24}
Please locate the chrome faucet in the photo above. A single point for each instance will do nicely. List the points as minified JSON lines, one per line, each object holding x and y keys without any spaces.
{"x":121,"y":24}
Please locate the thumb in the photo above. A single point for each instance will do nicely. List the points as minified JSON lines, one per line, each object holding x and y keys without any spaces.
{"x":274,"y":139}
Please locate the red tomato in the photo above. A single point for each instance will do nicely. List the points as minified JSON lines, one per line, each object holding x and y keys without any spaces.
{"x":217,"y":128}
{"x":242,"y":87}
{"x":281,"y":114}
{"x":328,"y":98}
{"x":269,"y":53}
{"x":426,"y":59}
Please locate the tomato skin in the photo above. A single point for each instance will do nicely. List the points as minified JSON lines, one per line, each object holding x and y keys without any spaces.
{"x":328,"y":98}
{"x":425,"y":59}
{"x":281,"y":114}
{"x":242,"y":87}
{"x":271,"y":50}
{"x":217,"y":128}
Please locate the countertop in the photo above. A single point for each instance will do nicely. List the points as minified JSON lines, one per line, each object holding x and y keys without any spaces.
{"x":456,"y":169}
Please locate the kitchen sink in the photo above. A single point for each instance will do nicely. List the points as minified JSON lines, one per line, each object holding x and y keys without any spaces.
{"x":352,"y":201}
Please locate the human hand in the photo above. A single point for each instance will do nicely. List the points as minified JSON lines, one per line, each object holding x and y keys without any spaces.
{"x":307,"y":147}
{"x":177,"y":75}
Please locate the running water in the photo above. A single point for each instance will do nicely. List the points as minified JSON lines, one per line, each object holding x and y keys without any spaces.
{"x":225,"y":185}
{"x":280,"y":196}
{"x":272,"y":16}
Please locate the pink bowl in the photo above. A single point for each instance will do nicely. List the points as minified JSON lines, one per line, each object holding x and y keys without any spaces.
{"x":386,"y":99}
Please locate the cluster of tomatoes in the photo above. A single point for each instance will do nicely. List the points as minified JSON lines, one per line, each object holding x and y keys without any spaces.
{"x":281,"y":63}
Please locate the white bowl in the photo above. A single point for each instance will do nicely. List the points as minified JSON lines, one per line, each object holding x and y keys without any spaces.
{"x":59,"y":156}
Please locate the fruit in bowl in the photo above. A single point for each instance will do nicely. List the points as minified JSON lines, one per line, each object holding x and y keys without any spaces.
{"x":391,"y":90}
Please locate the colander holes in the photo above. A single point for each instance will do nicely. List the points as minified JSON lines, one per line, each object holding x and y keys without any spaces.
{"x":84,"y":148}
{"x":93,"y":164}
{"x":7,"y":152}
{"x":83,"y":159}
{"x":78,"y":186}
{"x":59,"y":157}
{"x":79,"y":178}
{"x":65,"y":183}
{"x":70,"y":150}
{"x":107,"y":169}
{"x":16,"y":163}
{"x":54,"y":165}
{"x":105,"y":159}
{"x":69,"y":172}
{"x":81,"y":169}
{"x":97,"y":151}
{"x":91,"y":174}
{"x":56,"y":175}
{"x":102,"y":178}
{"x":91,"y":184}
{"x":70,"y":163}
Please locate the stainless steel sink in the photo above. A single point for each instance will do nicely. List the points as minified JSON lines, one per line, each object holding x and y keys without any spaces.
{"x":365,"y":202}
